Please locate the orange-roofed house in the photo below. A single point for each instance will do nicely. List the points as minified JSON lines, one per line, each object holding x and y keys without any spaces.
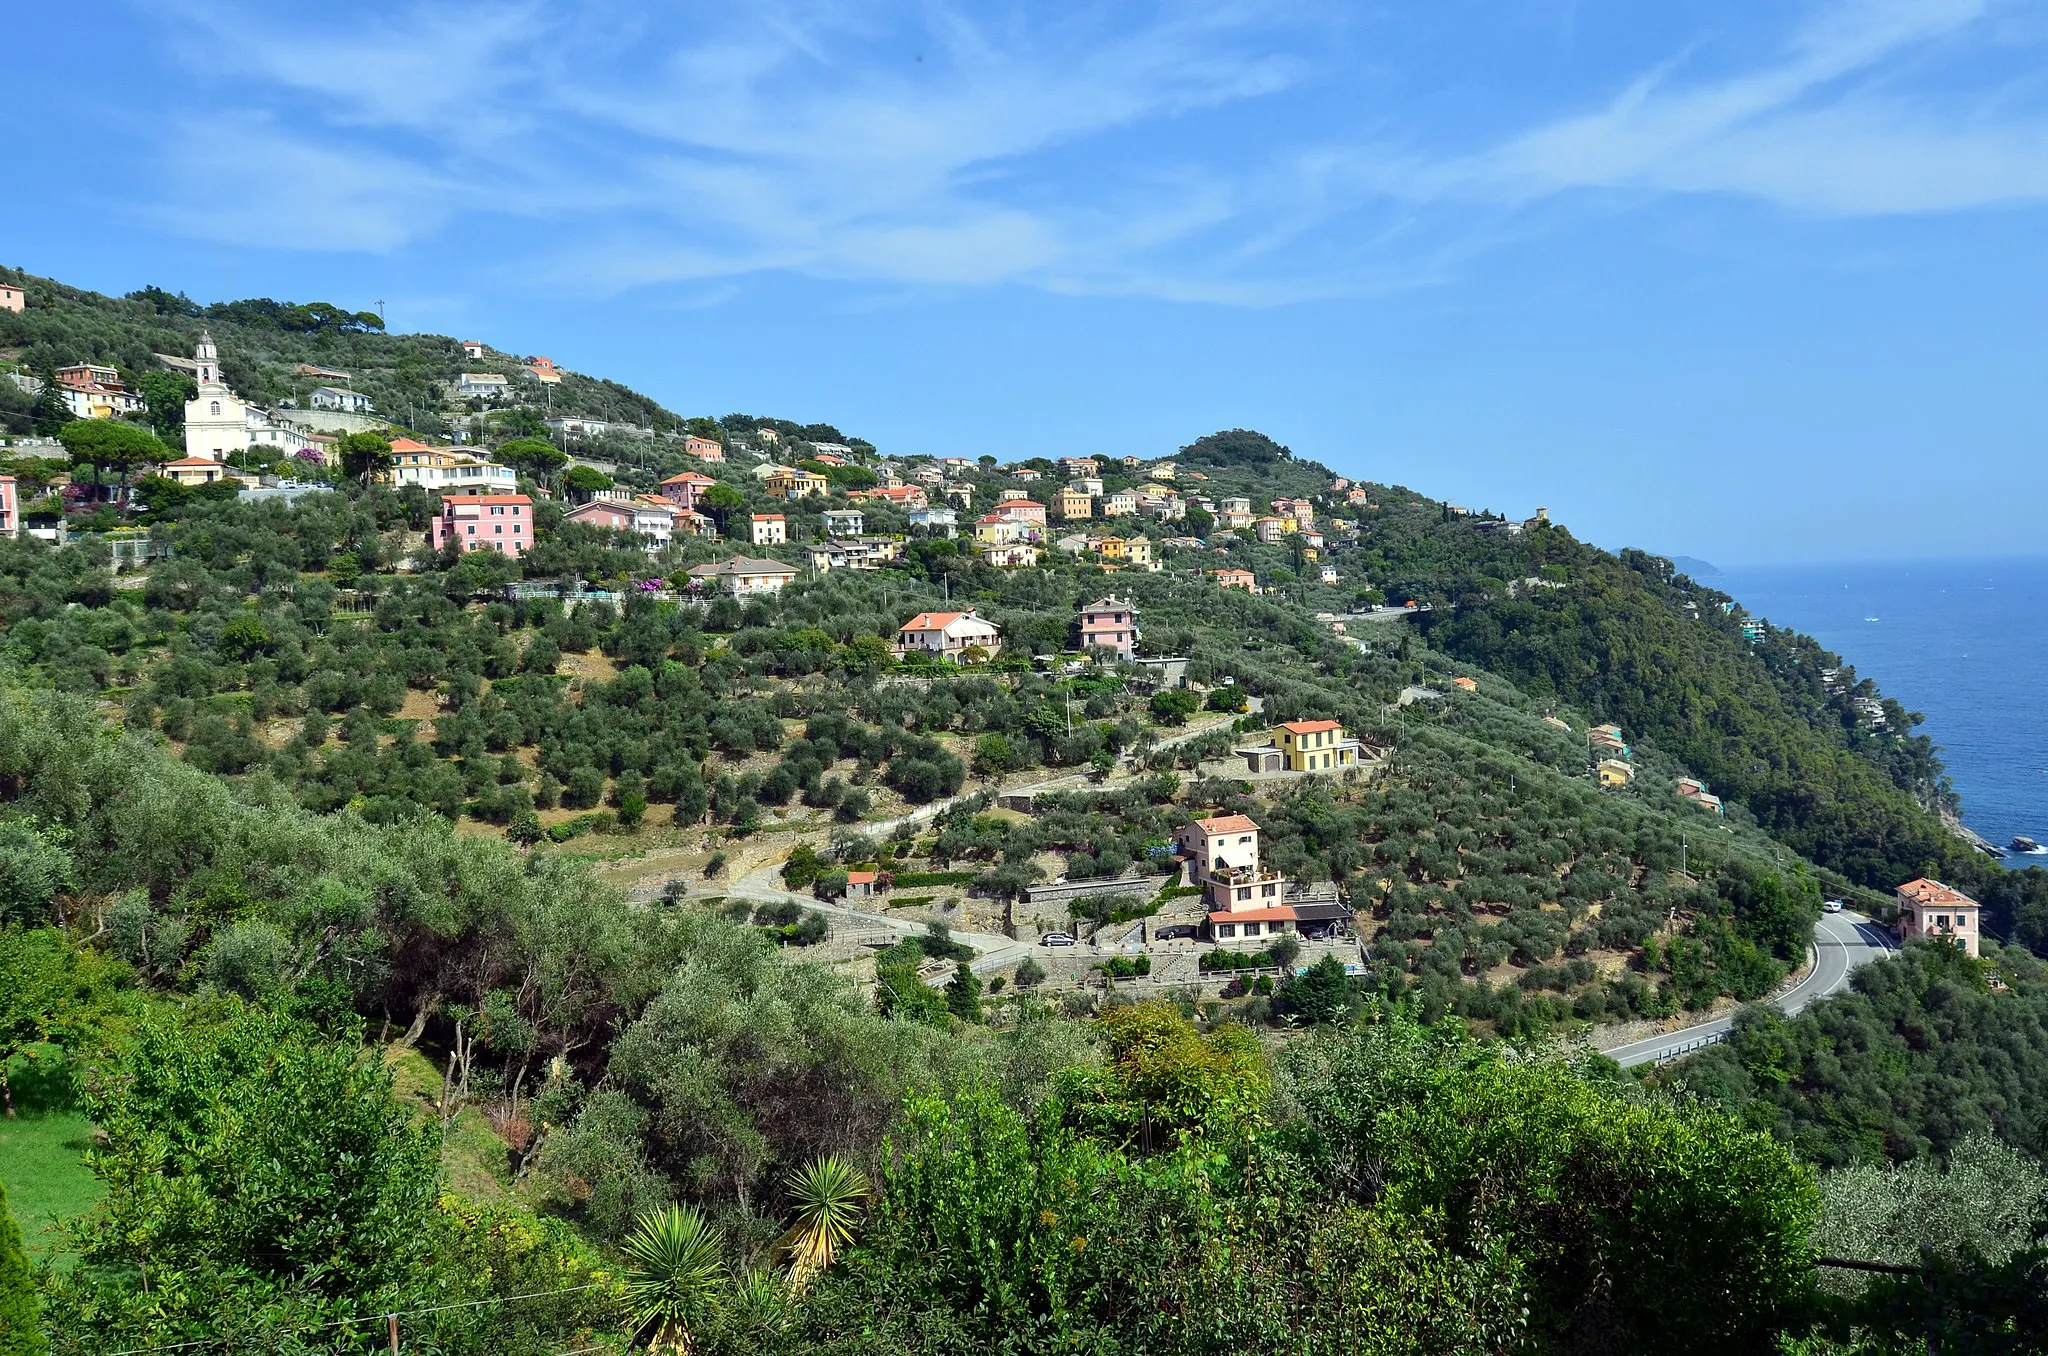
{"x":1317,"y":746}
{"x":685,"y":488}
{"x":485,"y":522}
{"x":544,"y":369}
{"x":703,"y":449}
{"x":1212,"y":845}
{"x":767,"y":529}
{"x":948,"y":635}
{"x":196,"y":471}
{"x":1022,"y":511}
{"x":1236,"y":579}
{"x":1927,"y":908}
{"x":1464,"y":684}
{"x":862,"y":885}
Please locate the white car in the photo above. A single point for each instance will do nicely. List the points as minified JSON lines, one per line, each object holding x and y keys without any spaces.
{"x":1056,"y":939}
{"x":1832,"y":906}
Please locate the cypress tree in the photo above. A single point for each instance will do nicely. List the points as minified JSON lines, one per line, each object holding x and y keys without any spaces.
{"x":20,"y":1333}
{"x":52,"y":411}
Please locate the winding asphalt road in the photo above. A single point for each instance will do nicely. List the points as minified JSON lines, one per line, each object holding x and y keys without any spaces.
{"x":1841,"y":942}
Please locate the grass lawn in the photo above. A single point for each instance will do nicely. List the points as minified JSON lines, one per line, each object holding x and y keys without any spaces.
{"x":42,"y":1162}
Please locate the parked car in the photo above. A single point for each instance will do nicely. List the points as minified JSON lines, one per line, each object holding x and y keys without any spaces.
{"x":1056,"y":939}
{"x":1832,"y":906}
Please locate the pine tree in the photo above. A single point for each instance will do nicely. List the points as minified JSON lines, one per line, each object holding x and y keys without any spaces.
{"x":20,"y":1332}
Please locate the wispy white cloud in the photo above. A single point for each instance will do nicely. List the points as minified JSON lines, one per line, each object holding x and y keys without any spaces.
{"x":950,"y":147}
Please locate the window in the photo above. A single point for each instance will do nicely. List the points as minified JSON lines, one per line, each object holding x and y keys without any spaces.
{"x":1941,"y":921}
{"x":216,"y":407}
{"x":472,"y":529}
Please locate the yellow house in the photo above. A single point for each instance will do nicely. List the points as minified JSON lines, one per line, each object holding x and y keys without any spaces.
{"x":795,"y":482}
{"x":1316,"y":746}
{"x":1072,"y":504}
{"x":1614,"y":773}
{"x":1110,"y":548}
{"x":1138,"y":551}
{"x":191,"y":471}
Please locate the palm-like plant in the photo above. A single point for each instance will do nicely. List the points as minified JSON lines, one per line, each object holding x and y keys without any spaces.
{"x":674,"y":1268}
{"x":829,"y":1194}
{"x":758,"y":1307}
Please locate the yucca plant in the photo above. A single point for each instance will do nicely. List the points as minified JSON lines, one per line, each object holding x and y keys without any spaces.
{"x":674,"y":1269}
{"x":829,"y":1194}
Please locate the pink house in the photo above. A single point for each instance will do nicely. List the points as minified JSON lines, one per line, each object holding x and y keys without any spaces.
{"x":703,"y":449}
{"x":11,"y":298}
{"x":685,"y":489}
{"x":485,"y":522}
{"x":10,"y":508}
{"x":1109,"y":624}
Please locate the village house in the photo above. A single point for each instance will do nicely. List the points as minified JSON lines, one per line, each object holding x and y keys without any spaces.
{"x":10,"y":507}
{"x":1010,"y":555}
{"x":1122,"y":504}
{"x":1073,"y":468}
{"x":931,"y":477}
{"x":1110,"y":624}
{"x":767,"y":529}
{"x":1613,"y":774}
{"x":1464,"y":684}
{"x":11,"y":298}
{"x":743,"y":576}
{"x":1089,"y":486}
{"x":1073,"y":505}
{"x":1317,"y":746}
{"x":936,"y":517}
{"x":793,"y":482}
{"x":446,"y":470}
{"x":1302,"y":511}
{"x":949,"y":635}
{"x":1328,"y":574}
{"x":1073,"y":544}
{"x":653,"y":520}
{"x":862,"y":885}
{"x":703,"y":449}
{"x":904,"y":497}
{"x":1694,"y":790}
{"x":691,"y":523}
{"x":685,"y":488}
{"x":473,"y":349}
{"x":1026,"y":474}
{"x":336,"y":398}
{"x":959,"y":494}
{"x":1929,"y":909}
{"x":192,"y":471}
{"x":1242,"y":900}
{"x":482,"y":385}
{"x":1236,"y":579}
{"x":1022,"y":511}
{"x":544,"y":370}
{"x":957,"y":464}
{"x":993,"y":529}
{"x":1008,"y":496}
{"x":485,"y":522}
{"x":1138,"y":552}
{"x":1270,"y":529}
{"x":843,"y":522}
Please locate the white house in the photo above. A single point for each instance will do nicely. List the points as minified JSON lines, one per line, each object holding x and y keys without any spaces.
{"x":744,"y":575}
{"x":843,"y":522}
{"x":936,"y":517}
{"x":768,"y":529}
{"x":946,"y":635}
{"x":488,"y":385}
{"x":336,"y":398}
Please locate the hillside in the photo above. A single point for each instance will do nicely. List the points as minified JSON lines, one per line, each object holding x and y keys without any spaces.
{"x":412,"y":379}
{"x":441,"y":918}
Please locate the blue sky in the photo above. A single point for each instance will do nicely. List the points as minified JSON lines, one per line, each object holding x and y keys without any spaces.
{"x":1750,"y":281}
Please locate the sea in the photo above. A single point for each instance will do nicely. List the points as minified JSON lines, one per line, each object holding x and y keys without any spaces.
{"x":1964,"y":642}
